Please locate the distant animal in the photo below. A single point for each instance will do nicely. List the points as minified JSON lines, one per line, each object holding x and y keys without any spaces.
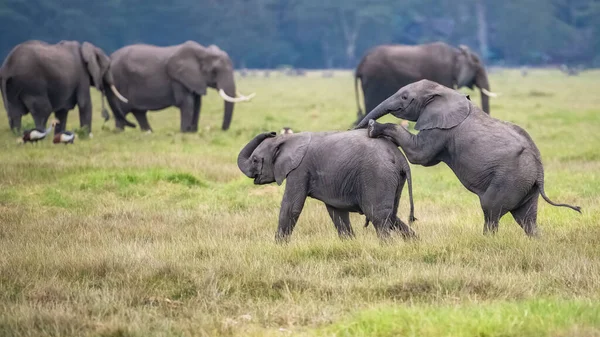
{"x":569,"y":70}
{"x":385,"y":69}
{"x":155,"y":78}
{"x":286,"y":131}
{"x":64,"y":137}
{"x":42,"y":78}
{"x":348,"y":171}
{"x":494,"y":159}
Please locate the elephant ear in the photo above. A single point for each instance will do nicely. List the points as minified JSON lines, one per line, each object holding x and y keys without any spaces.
{"x":185,"y":67}
{"x":444,"y":110}
{"x":289,"y":154}
{"x":90,"y":57}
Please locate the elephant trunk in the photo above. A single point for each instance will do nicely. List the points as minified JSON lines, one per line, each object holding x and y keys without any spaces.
{"x":227,"y":84}
{"x":243,"y":160}
{"x":109,"y":82}
{"x":481,"y":81}
{"x":376,"y":113}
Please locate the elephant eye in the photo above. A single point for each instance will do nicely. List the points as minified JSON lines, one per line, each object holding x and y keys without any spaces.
{"x":404,"y":97}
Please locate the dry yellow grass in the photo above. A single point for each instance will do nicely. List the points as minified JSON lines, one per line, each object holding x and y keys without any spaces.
{"x":133,"y":234}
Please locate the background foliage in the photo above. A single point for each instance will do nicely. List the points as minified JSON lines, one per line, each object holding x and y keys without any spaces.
{"x":316,"y":33}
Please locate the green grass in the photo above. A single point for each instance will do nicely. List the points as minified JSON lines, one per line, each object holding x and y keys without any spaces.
{"x":134,"y":234}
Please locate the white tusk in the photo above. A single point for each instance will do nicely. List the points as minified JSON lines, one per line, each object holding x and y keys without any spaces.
{"x":118,"y":94}
{"x":232,"y":99}
{"x":249,"y":97}
{"x":488,"y":93}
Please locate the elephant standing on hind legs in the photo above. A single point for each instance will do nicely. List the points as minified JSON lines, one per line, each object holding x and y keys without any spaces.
{"x":155,"y":78}
{"x":42,"y":78}
{"x":387,"y":68}
{"x":496,"y":160}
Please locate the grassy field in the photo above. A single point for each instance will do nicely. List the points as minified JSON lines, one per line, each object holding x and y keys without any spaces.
{"x":138,"y":234}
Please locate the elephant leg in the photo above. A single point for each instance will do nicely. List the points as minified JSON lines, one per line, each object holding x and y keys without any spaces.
{"x":196,"y":115}
{"x":15,"y":112}
{"x":341,"y":220}
{"x":526,"y":214}
{"x":116,"y":105}
{"x":376,"y":91}
{"x":404,"y":229}
{"x":119,"y":124}
{"x":61,"y":115}
{"x":40,"y":110}
{"x":291,"y":207}
{"x":383,"y":221}
{"x":187,"y":113}
{"x":492,"y":202}
{"x":142,"y":117}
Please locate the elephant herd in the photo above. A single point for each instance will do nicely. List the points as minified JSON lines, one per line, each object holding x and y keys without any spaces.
{"x":358,"y":170}
{"x":41,"y":78}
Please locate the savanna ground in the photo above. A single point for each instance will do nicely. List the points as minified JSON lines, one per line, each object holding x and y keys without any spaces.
{"x":136,"y":234}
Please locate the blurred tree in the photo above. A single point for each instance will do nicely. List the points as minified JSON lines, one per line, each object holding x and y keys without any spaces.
{"x":317,"y":33}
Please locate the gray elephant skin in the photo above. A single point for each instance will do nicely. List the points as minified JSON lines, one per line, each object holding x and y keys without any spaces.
{"x":42,"y":78}
{"x":348,"y":171}
{"x":386,"y":68}
{"x":154,"y":78}
{"x":494,"y":159}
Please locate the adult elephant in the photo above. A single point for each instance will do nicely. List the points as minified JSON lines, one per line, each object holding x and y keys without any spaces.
{"x":42,"y":78}
{"x":155,"y":78}
{"x":387,"y":68}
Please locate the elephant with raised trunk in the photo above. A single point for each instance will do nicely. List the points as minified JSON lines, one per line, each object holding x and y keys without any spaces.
{"x":387,"y":68}
{"x":348,"y":171}
{"x":494,"y":159}
{"x":41,"y":78}
{"x":154,"y":78}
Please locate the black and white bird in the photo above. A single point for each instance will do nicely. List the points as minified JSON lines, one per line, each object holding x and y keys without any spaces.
{"x":286,"y":131}
{"x":64,"y":137}
{"x":34,"y":135}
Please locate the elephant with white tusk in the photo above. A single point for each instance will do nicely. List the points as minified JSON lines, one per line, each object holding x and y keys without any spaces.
{"x":41,"y":78}
{"x":387,"y":68}
{"x":154,"y":78}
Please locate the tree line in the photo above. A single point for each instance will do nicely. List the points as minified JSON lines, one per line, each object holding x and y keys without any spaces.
{"x":318,"y":33}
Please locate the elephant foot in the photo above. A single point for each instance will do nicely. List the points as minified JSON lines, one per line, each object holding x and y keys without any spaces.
{"x":282,"y":239}
{"x":374,"y":129}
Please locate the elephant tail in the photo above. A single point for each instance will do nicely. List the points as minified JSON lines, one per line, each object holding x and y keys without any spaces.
{"x":540,"y":183}
{"x":3,"y":88}
{"x":357,"y":77}
{"x":411,"y":217}
{"x":105,"y":113}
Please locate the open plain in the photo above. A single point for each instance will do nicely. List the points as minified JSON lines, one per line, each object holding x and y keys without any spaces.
{"x":135,"y":234}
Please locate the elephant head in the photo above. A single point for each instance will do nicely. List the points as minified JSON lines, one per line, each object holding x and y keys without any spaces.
{"x":431,"y":105}
{"x":98,"y":66}
{"x":197,"y":67}
{"x":268,"y":157}
{"x":469,"y":71}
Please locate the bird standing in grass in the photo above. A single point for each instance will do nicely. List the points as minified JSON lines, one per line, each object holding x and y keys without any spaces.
{"x":64,"y":137}
{"x":35,"y":135}
{"x":286,"y":131}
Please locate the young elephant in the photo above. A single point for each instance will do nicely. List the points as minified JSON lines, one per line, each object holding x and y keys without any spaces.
{"x":496,"y":160}
{"x":348,"y":171}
